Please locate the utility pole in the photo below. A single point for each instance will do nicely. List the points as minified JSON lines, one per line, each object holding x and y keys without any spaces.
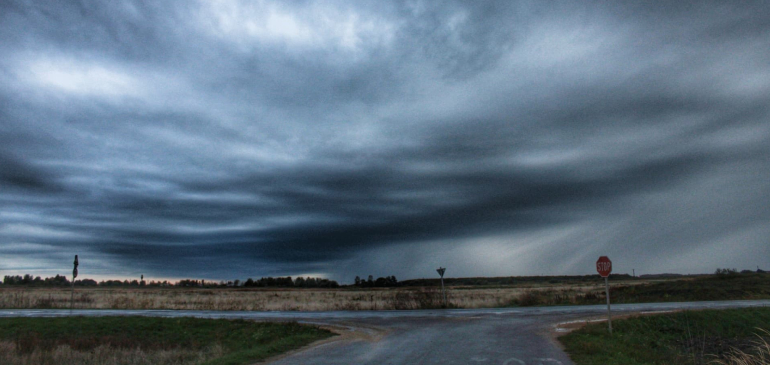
{"x":441,"y":271}
{"x":74,"y":275}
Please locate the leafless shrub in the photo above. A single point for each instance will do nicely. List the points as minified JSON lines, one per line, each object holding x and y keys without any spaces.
{"x":46,"y":302}
{"x":423,"y":298}
{"x":530,"y":298}
{"x":534,"y":297}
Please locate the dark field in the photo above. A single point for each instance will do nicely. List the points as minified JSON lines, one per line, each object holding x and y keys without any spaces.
{"x":144,"y":340}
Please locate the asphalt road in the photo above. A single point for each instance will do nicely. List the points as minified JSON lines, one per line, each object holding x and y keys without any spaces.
{"x":507,"y":336}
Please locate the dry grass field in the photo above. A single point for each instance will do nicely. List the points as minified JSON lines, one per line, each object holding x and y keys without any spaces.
{"x":548,"y":292}
{"x":288,"y":299}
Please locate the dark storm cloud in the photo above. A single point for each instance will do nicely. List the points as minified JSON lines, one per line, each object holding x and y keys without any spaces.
{"x":232,"y":139}
{"x":19,"y":175}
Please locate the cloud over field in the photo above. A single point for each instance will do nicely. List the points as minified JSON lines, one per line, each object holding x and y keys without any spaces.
{"x":232,"y":139}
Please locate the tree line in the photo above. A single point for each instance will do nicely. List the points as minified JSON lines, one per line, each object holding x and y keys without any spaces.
{"x":287,"y":282}
{"x":281,"y":282}
{"x":57,"y":280}
{"x":381,"y":282}
{"x":60,"y":280}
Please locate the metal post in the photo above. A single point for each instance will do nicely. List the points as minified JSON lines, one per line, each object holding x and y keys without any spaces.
{"x":607,"y":290}
{"x":441,"y":271}
{"x":443,"y":291}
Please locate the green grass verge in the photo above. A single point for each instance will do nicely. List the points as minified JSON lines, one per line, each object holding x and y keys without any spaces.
{"x":244,"y":341}
{"x":690,"y":337}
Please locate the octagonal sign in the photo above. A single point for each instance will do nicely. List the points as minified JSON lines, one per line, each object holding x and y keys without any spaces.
{"x":604,"y":266}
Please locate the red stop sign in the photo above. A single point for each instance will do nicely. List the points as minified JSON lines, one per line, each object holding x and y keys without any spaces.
{"x":604,"y":266}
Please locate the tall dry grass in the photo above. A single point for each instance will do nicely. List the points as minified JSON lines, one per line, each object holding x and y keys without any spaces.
{"x":105,"y":355}
{"x":263,"y":299}
{"x":759,"y":355}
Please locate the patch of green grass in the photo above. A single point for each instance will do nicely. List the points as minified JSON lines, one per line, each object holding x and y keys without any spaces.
{"x":690,"y":337}
{"x":244,"y":341}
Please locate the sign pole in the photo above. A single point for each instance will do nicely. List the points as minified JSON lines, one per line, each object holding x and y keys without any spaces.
{"x":607,"y":291}
{"x":440,"y":271}
{"x":604,"y":268}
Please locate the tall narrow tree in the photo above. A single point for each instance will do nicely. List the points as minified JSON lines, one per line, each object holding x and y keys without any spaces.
{"x":74,"y":275}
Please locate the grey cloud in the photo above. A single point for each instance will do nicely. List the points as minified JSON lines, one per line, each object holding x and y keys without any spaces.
{"x":636,"y":130}
{"x":16,"y":174}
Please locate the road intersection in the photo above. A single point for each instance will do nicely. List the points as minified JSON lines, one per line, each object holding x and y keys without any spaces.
{"x":500,"y":336}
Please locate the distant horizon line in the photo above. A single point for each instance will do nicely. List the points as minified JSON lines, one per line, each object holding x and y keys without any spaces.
{"x":101,"y":278}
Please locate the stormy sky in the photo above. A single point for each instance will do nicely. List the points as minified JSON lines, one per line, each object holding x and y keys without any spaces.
{"x":225,"y":139}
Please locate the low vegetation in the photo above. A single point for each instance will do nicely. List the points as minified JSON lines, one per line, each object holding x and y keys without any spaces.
{"x":730,"y":337}
{"x":144,"y":340}
{"x":528,"y":291}
{"x":507,"y":281}
{"x":759,"y":353}
{"x":716,"y":287}
{"x":253,"y":299}
{"x":731,"y":286}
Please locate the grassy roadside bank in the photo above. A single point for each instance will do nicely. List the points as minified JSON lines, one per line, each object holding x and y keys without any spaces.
{"x":144,"y":340}
{"x":686,"y":338}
